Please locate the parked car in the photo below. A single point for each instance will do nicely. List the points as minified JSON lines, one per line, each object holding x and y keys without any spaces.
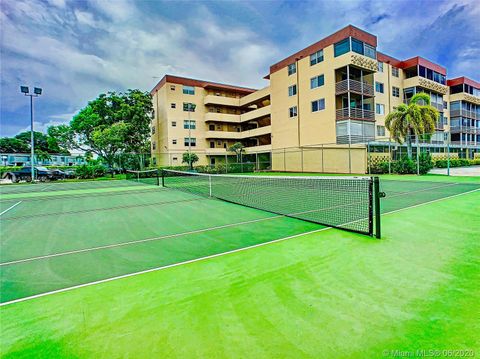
{"x":25,"y":174}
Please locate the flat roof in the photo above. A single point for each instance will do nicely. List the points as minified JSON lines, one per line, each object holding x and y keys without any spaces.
{"x":341,"y":34}
{"x":200,"y":83}
{"x":463,"y":80}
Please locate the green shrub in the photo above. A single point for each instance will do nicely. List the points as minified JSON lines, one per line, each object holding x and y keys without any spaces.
{"x":425,"y":163}
{"x":404,"y":166}
{"x":379,"y":168}
{"x":90,"y":171}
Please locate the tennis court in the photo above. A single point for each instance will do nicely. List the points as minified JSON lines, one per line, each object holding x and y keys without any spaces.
{"x":59,"y":236}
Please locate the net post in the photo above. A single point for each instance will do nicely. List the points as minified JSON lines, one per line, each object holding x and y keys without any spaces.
{"x":376,"y":197}
{"x":158,"y":179}
{"x":209,"y":185}
{"x":163,"y":178}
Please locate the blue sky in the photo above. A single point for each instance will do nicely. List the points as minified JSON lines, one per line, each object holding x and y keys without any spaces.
{"x":75,"y":50}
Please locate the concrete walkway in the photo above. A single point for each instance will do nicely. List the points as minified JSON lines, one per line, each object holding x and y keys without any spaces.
{"x":458,"y":171}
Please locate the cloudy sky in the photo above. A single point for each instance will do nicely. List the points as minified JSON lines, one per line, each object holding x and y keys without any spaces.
{"x":75,"y":50}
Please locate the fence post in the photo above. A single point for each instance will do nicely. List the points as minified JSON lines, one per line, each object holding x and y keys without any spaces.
{"x":418,"y":158}
{"x":368,"y":157}
{"x":323,"y":166}
{"x":284,"y":160}
{"x":376,"y":194}
{"x":226,"y":163}
{"x":389,"y":157}
{"x":301,"y":154}
{"x":349,"y":158}
{"x":448,"y":158}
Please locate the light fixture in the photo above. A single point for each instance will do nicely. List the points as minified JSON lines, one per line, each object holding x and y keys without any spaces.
{"x":37,"y":90}
{"x":24,"y":89}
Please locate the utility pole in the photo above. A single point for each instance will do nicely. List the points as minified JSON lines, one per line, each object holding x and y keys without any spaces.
{"x":36,"y":92}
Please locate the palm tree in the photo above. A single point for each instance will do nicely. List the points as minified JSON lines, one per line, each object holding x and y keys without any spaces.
{"x":417,"y":118}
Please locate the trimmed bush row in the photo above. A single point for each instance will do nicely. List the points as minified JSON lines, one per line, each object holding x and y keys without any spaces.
{"x":409,"y":166}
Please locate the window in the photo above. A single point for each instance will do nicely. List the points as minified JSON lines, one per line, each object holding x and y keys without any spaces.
{"x":192,"y":123}
{"x":174,"y":159}
{"x":174,"y":123}
{"x":173,"y":105}
{"x":212,"y":144}
{"x":379,"y":87}
{"x":395,"y":71}
{"x":154,"y":145}
{"x":292,"y":111}
{"x":317,"y":81}
{"x":380,"y":109}
{"x":219,"y":143}
{"x":292,"y":68}
{"x":380,"y":66}
{"x":154,"y":161}
{"x":174,"y":142}
{"x":445,"y":105}
{"x":318,"y":105}
{"x":316,"y":57}
{"x":395,"y":91}
{"x":192,"y":141}
{"x":370,"y":51}
{"x":211,"y":127}
{"x":357,"y":46}
{"x":189,"y":90}
{"x":342,"y":47}
{"x":172,"y":87}
{"x":189,"y":107}
{"x":292,"y":90}
{"x":380,"y":130}
{"x":153,"y":130}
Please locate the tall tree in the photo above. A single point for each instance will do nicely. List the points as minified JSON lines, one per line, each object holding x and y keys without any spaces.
{"x":13,"y":145}
{"x":417,"y":118}
{"x":110,"y":124}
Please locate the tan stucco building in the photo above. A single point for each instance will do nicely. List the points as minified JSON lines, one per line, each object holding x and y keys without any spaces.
{"x":332,"y":96}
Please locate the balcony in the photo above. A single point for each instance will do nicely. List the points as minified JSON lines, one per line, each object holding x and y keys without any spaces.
{"x":222,"y":117}
{"x":465,"y":129}
{"x":258,"y":149}
{"x":463,"y":96}
{"x":438,"y":106}
{"x":221,"y":100}
{"x":358,"y":87}
{"x":464,"y":113}
{"x":232,"y":135}
{"x":259,"y":131}
{"x":259,"y":112}
{"x":354,"y":114}
{"x":418,"y":81}
{"x":229,"y":135}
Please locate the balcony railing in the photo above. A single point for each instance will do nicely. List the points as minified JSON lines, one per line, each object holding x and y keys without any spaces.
{"x":355,"y":114}
{"x":465,"y":129}
{"x":438,"y":106}
{"x":464,"y":113}
{"x":359,"y":87}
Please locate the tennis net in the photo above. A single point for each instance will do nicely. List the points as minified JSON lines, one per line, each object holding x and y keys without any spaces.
{"x":146,"y":177}
{"x":341,"y":202}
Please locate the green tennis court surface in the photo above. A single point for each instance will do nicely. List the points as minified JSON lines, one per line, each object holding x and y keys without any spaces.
{"x":57,"y":236}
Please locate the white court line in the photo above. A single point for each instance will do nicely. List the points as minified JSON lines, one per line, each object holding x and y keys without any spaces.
{"x":44,"y":188}
{"x":158,"y":268}
{"x":11,"y":207}
{"x":206,"y":257}
{"x":138,"y":241}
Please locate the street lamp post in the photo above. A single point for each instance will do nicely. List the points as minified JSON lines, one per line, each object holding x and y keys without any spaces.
{"x":36,"y":92}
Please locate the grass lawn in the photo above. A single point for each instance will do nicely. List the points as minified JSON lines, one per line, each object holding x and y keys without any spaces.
{"x":330,"y":294}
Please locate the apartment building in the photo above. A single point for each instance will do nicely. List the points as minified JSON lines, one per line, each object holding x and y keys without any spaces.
{"x":337,"y":91}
